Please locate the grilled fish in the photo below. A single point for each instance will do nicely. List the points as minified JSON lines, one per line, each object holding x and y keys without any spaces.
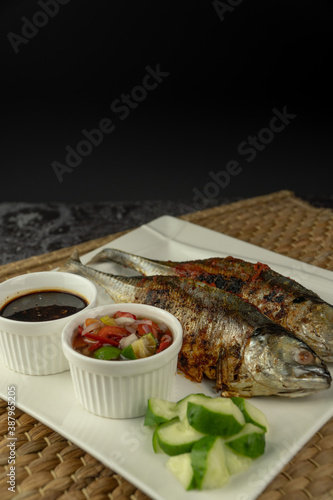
{"x":282,"y":299}
{"x":224,"y":338}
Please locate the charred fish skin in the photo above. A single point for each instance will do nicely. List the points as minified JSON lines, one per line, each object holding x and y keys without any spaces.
{"x":288,"y":304}
{"x":282,"y":299}
{"x":220,"y":335}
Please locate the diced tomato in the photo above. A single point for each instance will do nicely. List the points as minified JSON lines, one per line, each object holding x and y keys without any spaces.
{"x":143,"y":329}
{"x":155,"y":331}
{"x":122,"y":314}
{"x":112,"y":331}
{"x":104,"y":340}
{"x":154,"y":325}
{"x":166,"y":340}
{"x":80,"y":329}
{"x":148,"y":328}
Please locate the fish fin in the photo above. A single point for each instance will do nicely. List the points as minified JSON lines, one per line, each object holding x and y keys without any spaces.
{"x":67,"y":266}
{"x":75,"y":256}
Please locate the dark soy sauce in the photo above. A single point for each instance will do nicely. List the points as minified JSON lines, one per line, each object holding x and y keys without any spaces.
{"x":43,"y":306}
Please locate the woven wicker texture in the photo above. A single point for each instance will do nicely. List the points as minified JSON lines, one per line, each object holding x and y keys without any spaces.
{"x":49,"y":467}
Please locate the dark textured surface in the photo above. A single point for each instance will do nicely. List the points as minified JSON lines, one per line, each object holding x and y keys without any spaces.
{"x":35,"y":228}
{"x":28,"y":229}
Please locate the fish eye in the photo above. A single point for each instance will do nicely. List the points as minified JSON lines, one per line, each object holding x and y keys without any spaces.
{"x":304,"y":357}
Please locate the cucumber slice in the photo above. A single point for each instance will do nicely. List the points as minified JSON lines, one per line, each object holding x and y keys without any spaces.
{"x":156,"y":446}
{"x":236,"y":463}
{"x":216,"y":416}
{"x":175,"y":437}
{"x":208,"y":462}
{"x":159,"y":411}
{"x":250,"y":441}
{"x":181,"y":467}
{"x":251,"y":414}
{"x":182,"y":404}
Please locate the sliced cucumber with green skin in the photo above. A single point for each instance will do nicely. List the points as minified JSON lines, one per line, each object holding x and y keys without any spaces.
{"x":208,"y":462}
{"x":216,"y":416}
{"x":160,"y":411}
{"x":251,"y":414}
{"x":181,"y":467}
{"x":208,"y":439}
{"x":250,"y":441}
{"x":175,"y":437}
{"x":236,"y":463}
{"x":107,"y":352}
{"x":156,"y":445}
{"x":182,"y":404}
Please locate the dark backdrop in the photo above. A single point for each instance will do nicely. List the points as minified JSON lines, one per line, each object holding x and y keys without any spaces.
{"x":223,"y":70}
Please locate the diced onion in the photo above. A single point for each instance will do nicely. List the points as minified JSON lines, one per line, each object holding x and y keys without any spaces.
{"x":124,"y":320}
{"x":126,"y":341}
{"x":91,"y":328}
{"x":130,"y":329}
{"x":90,"y":341}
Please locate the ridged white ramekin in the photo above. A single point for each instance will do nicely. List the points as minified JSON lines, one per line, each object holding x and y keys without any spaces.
{"x":121,"y":389}
{"x":34,"y":348}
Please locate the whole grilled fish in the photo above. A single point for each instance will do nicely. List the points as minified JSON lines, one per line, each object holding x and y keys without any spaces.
{"x":282,"y":299}
{"x":224,"y":338}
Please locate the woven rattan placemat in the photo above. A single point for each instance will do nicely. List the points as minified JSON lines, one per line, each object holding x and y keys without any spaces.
{"x":49,"y":467}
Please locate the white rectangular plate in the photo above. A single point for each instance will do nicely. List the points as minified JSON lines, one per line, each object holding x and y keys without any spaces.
{"x":125,"y":445}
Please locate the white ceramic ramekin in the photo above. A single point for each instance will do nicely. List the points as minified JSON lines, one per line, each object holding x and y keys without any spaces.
{"x":34,"y":348}
{"x":121,"y":389}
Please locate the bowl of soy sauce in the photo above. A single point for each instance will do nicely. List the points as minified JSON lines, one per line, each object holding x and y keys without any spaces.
{"x":34,"y":309}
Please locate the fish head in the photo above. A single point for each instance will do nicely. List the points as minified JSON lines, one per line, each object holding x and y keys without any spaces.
{"x":316,"y":326}
{"x":283,"y":364}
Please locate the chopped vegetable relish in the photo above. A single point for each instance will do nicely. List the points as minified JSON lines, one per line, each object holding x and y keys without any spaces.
{"x":122,"y":336}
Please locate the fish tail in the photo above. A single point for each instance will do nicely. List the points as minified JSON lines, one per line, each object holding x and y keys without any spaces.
{"x":120,"y":288}
{"x":140,"y":264}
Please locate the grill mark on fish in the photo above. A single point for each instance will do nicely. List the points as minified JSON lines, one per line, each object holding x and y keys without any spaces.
{"x":224,"y":337}
{"x":282,"y":299}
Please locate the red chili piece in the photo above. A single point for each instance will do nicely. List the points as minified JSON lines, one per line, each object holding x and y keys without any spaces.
{"x":166,"y":340}
{"x":94,"y":347}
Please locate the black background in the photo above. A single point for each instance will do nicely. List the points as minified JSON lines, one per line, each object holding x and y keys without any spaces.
{"x":225,"y":78}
